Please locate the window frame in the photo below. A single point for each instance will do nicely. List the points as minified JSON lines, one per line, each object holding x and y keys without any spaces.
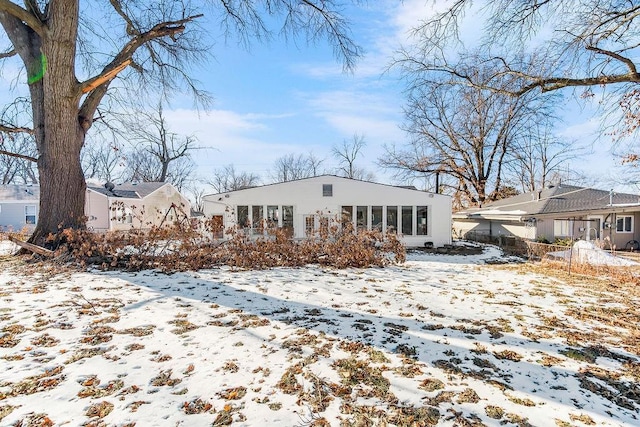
{"x":563,"y":222}
{"x":27,"y":215}
{"x":407,"y":220}
{"x":327,"y":190}
{"x":422,"y":229}
{"x":623,"y":218}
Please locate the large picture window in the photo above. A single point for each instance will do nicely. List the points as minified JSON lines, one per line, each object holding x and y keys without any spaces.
{"x":272,"y":216}
{"x":407,"y":220}
{"x":256,"y":218}
{"x":392,"y":219}
{"x":421,"y":221}
{"x":361,"y":217}
{"x":376,"y":218}
{"x":624,"y":224}
{"x":346,"y":215}
{"x":243,"y":216}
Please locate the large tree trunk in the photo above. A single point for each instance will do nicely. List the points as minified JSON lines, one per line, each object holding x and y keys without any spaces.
{"x":59,"y":134}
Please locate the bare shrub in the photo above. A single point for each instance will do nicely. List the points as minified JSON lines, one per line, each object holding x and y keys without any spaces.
{"x":185,"y":244}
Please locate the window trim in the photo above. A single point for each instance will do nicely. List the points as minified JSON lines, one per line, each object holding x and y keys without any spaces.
{"x":569,"y":228}
{"x":34,"y":215}
{"x":623,"y":218}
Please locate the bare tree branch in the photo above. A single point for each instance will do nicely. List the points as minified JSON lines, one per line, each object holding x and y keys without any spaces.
{"x":18,"y":155}
{"x":97,"y":85}
{"x":29,"y":18}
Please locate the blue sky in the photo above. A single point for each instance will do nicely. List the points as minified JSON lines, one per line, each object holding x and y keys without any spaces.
{"x":281,"y":98}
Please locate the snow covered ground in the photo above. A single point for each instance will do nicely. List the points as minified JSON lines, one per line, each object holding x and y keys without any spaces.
{"x":440,"y":340}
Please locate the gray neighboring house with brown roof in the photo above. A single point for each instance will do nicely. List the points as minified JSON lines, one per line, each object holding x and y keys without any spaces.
{"x":557,"y":212}
{"x":19,"y":207}
{"x":132,"y":205}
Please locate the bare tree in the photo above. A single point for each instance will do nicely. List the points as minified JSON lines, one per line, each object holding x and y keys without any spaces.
{"x":17,"y":148}
{"x":346,"y":154}
{"x":156,"y":153}
{"x":196,"y":196}
{"x":228,"y":179}
{"x":291,"y":167}
{"x":544,"y":46}
{"x":19,"y":166}
{"x":141,"y":46}
{"x":465,"y":133}
{"x":538,"y":158}
{"x":102,"y":159}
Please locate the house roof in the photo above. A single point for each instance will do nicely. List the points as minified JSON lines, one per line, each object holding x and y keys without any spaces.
{"x":319,"y":177}
{"x":130,"y":190}
{"x":554,"y":200}
{"x":19,"y":192}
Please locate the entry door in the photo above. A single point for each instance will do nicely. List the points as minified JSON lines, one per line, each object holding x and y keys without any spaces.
{"x":594,"y":227}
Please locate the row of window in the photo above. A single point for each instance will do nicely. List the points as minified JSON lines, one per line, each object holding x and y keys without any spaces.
{"x":564,"y":227}
{"x":276,"y":216}
{"x":410,"y":220}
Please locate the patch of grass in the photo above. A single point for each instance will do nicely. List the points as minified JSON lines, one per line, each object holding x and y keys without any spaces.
{"x":548,"y":360}
{"x":99,"y":410}
{"x":522,"y":401}
{"x":479,"y":348}
{"x":164,"y":379}
{"x":468,"y":395}
{"x":353,"y":372}
{"x":406,"y":350}
{"x":409,"y":416}
{"x":483,"y":363}
{"x":6,"y":410}
{"x":494,"y":412}
{"x":196,"y":406}
{"x":518,"y":420}
{"x":288,"y":382}
{"x":134,"y":347}
{"x":579,"y":355}
{"x":85,"y":353}
{"x":431,"y":384}
{"x":508,"y":355}
{"x":138,"y":331}
{"x":95,"y":392}
{"x":48,"y":380}
{"x":234,"y":393}
{"x":45,"y":340}
{"x":230,"y":366}
{"x":133,"y":406}
{"x":583,"y":418}
{"x":182,"y":326}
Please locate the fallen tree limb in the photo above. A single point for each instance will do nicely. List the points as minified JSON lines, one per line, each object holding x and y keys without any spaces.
{"x":31,"y":247}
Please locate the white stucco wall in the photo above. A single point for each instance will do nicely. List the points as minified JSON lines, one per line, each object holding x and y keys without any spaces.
{"x":306,"y":197}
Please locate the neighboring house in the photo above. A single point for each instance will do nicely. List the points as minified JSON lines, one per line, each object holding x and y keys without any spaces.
{"x":19,"y":207}
{"x":133,"y":205}
{"x":557,"y":212}
{"x":299,"y":207}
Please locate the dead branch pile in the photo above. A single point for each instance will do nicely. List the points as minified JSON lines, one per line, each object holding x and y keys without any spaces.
{"x":184,"y":245}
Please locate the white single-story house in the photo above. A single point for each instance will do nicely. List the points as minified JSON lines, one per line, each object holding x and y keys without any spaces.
{"x":19,"y":207}
{"x":557,"y":212}
{"x":418,"y":217}
{"x":133,"y":205}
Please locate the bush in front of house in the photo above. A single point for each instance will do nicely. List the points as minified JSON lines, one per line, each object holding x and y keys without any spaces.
{"x":183,"y":245}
